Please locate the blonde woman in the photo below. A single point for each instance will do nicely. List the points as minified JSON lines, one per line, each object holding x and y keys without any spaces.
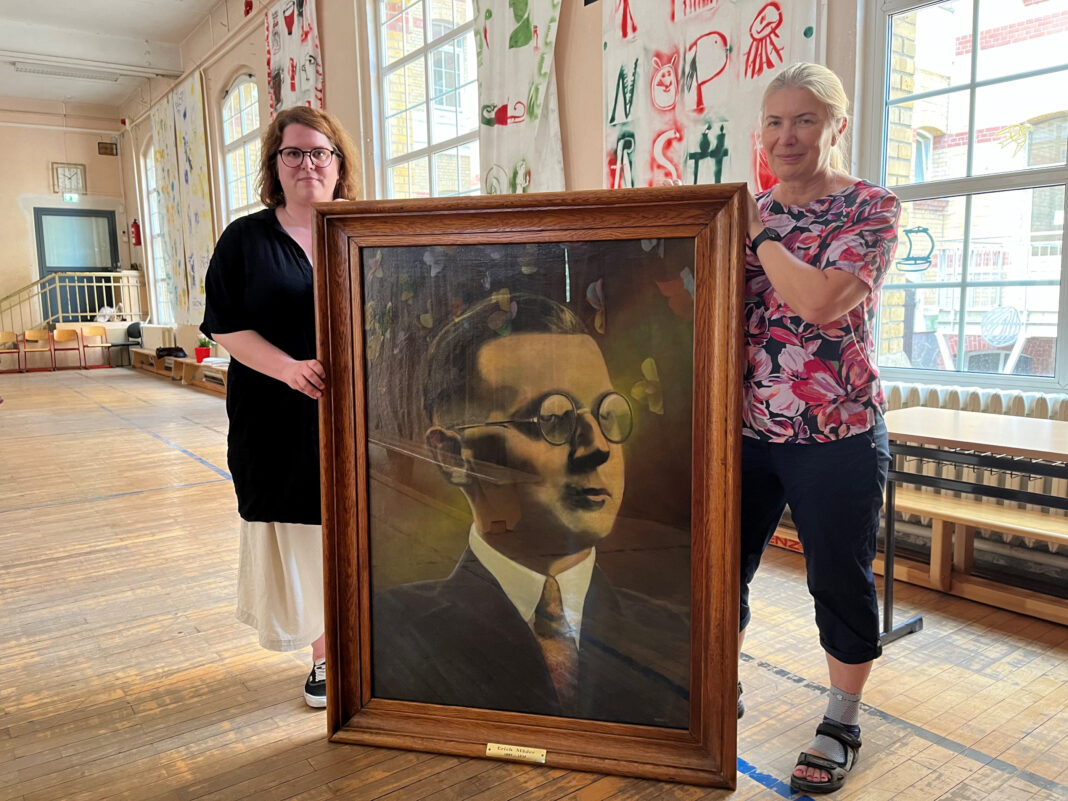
{"x":821,"y":241}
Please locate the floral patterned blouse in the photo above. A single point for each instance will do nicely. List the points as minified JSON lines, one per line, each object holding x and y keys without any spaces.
{"x":808,"y":383}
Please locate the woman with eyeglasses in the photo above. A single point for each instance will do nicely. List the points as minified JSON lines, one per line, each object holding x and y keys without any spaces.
{"x":260,"y":308}
{"x":821,"y":242}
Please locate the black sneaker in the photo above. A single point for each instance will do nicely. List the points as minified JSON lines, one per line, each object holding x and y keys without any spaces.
{"x":741,"y":703}
{"x":315,"y":686}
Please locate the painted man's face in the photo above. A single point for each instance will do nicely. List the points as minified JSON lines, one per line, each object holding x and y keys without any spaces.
{"x":565,"y":497}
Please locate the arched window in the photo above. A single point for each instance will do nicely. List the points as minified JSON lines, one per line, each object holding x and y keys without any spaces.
{"x":241,"y":147}
{"x":153,"y":240}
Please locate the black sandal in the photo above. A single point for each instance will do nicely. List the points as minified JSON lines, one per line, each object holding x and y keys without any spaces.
{"x":837,"y":770}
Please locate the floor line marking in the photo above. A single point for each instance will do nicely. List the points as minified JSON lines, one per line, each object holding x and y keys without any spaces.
{"x":110,"y":496}
{"x":162,"y":439}
{"x":780,"y":788}
{"x":936,"y":739}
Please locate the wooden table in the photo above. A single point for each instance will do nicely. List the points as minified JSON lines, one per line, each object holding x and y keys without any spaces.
{"x":974,"y":439}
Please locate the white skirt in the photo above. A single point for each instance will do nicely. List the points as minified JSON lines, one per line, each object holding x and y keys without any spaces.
{"x":280,"y":583}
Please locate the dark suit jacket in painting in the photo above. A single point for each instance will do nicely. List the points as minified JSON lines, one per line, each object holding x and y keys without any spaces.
{"x":460,"y":641}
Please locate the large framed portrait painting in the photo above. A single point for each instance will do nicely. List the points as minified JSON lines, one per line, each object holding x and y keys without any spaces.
{"x":530,"y":449}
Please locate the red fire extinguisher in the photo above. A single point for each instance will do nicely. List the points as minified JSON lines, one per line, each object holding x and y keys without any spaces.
{"x":135,"y":233}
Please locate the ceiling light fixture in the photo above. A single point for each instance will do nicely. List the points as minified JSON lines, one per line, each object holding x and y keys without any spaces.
{"x":63,"y":71}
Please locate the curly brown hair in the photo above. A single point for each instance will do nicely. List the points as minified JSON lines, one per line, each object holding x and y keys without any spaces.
{"x":267,"y":183}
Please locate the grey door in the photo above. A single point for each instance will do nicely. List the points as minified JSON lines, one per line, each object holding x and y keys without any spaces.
{"x":75,"y":240}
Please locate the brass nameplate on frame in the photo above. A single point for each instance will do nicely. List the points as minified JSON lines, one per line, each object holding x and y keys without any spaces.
{"x":518,"y":752}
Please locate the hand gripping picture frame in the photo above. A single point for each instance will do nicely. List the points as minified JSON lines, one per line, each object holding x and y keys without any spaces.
{"x":530,"y":441}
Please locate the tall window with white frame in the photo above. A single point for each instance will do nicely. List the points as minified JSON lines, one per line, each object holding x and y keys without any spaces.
{"x":975,"y":141}
{"x":429,"y":91}
{"x":241,"y":147}
{"x":162,"y":306}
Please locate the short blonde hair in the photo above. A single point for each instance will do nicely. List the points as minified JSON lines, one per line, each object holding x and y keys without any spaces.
{"x":827,"y":88}
{"x":267,"y":183}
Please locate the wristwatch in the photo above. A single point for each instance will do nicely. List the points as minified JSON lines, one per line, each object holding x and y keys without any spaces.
{"x":768,"y":234}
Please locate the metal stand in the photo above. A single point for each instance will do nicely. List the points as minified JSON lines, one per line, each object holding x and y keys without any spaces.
{"x":891,"y":632}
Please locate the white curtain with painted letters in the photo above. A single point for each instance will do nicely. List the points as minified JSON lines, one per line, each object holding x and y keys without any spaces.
{"x":519,"y":130}
{"x":683,"y":81}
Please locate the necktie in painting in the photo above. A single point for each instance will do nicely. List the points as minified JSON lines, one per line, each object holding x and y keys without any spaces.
{"x":557,"y":645}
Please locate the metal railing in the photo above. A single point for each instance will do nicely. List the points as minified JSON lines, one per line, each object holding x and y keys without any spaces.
{"x":74,"y":297}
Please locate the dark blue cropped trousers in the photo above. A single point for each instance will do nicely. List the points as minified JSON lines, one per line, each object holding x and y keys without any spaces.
{"x":835,"y":493}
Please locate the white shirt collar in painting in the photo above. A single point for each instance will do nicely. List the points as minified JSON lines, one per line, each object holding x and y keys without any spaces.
{"x":523,"y":586}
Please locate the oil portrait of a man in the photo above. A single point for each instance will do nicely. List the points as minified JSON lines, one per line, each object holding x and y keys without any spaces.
{"x":530,"y":532}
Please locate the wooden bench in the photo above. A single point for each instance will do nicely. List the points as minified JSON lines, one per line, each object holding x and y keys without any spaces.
{"x":145,"y":359}
{"x":954,"y":522}
{"x":207,"y":377}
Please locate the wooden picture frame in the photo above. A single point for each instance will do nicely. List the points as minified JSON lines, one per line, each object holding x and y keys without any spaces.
{"x":654,"y":278}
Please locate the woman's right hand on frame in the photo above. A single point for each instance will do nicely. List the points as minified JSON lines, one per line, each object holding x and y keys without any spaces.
{"x":306,"y":376}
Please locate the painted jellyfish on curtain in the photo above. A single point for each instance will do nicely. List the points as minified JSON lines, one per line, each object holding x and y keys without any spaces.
{"x":764,"y":51}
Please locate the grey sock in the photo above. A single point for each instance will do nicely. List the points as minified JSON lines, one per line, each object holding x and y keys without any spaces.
{"x":842,"y":708}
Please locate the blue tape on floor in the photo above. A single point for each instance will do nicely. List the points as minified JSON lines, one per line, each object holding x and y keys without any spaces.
{"x":164,"y":440}
{"x":170,"y":444}
{"x":767,"y":780}
{"x":73,"y":501}
{"x":987,"y":760}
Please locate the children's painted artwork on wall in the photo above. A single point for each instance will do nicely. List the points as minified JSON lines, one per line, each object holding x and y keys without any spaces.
{"x":197,"y":221}
{"x":519,"y":124}
{"x":683,"y":80}
{"x":170,"y":236}
{"x":294,"y":64}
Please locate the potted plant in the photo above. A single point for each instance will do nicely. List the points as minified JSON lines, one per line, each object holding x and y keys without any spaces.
{"x":203,"y":349}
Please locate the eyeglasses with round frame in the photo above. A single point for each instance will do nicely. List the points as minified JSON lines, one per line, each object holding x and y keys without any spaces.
{"x":557,"y":418}
{"x":320,"y":156}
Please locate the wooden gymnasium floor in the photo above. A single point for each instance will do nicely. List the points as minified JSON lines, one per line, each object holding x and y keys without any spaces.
{"x":123,"y":674}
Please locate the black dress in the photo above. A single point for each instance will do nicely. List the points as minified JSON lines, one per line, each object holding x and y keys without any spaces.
{"x":260,"y":279}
